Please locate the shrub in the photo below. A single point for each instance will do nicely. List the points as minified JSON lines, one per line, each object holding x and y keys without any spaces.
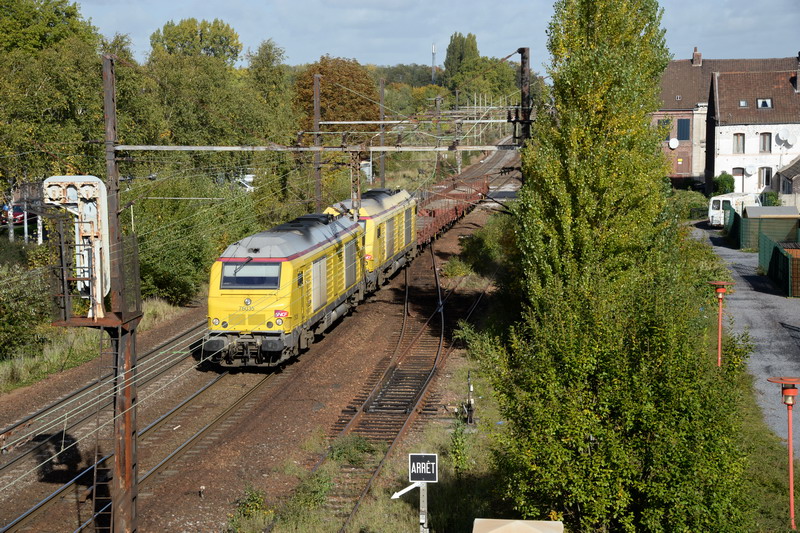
{"x":770,"y":198}
{"x":682,"y":203}
{"x":723,"y":184}
{"x":24,"y":308}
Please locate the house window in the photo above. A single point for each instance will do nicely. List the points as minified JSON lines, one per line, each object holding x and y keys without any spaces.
{"x":742,"y":103}
{"x":683,"y":129}
{"x":678,"y":97}
{"x":787,"y":186}
{"x":765,"y":143}
{"x":765,"y":177}
{"x":764,"y":103}
{"x":738,"y":143}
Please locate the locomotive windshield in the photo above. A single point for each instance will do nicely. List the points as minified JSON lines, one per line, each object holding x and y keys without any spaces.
{"x":250,"y":275}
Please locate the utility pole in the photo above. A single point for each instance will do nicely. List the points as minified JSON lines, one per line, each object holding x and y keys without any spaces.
{"x":382,"y":137}
{"x":121,"y":327}
{"x":526,"y":103}
{"x":317,"y":142}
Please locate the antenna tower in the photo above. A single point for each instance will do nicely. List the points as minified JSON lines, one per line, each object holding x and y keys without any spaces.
{"x":433,"y":63}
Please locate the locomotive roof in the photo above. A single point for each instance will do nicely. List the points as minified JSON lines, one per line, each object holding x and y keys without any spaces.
{"x":375,"y":201}
{"x":292,"y":239}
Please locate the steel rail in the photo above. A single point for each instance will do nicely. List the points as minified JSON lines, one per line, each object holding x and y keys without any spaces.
{"x":91,"y":413}
{"x":207,"y":428}
{"x":98,"y":381}
{"x":35,"y":511}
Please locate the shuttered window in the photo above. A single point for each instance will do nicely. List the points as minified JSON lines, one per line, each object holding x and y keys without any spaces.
{"x":349,"y":264}
{"x":408,"y":226}
{"x":319,"y":283}
{"x":683,"y":129}
{"x":389,"y":238}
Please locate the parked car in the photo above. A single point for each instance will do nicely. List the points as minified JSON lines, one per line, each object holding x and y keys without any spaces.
{"x":17,"y":215}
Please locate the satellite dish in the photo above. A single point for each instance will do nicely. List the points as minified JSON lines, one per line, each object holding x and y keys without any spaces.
{"x":790,"y":140}
{"x":673,"y":143}
{"x":783,"y":135}
{"x":750,"y":170}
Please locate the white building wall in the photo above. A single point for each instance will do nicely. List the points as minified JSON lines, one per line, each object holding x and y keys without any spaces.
{"x":725,"y":160}
{"x":700,"y":115}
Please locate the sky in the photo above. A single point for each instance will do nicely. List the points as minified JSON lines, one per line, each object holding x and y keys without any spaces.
{"x":391,"y":32}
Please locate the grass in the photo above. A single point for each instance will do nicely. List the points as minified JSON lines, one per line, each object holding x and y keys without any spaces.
{"x":69,"y":347}
{"x":456,"y":267}
{"x":767,"y":473}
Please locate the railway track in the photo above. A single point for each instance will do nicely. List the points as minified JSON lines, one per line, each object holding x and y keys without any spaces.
{"x":396,"y":392}
{"x":46,"y":447}
{"x":392,"y":401}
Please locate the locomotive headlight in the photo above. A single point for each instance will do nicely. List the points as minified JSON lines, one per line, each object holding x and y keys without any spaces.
{"x":247,"y":301}
{"x":224,"y":324}
{"x":215,"y":321}
{"x":279,"y":321}
{"x":270,"y":324}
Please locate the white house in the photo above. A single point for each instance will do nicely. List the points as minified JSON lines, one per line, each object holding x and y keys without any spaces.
{"x":753,"y":127}
{"x":685,"y":88}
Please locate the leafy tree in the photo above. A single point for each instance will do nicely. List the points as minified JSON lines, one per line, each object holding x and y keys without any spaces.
{"x":618,"y":419}
{"x":268,"y":75}
{"x":179,"y":239}
{"x":191,"y":37}
{"x":410,"y":74}
{"x":483,"y":75}
{"x":460,"y":51}
{"x":347,"y":92}
{"x":51,"y":102}
{"x":47,"y":92}
{"x":30,"y":25}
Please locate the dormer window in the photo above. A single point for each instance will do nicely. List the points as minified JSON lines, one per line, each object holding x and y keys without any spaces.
{"x":764,"y":103}
{"x":742,"y":103}
{"x":677,"y":97}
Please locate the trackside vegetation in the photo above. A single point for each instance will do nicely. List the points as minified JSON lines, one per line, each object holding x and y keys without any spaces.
{"x":618,"y":419}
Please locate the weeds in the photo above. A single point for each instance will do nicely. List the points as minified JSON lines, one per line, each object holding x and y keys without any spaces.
{"x":351,"y":449}
{"x":252,"y":513}
{"x":456,"y":267}
{"x":310,"y":495}
{"x":458,"y":448}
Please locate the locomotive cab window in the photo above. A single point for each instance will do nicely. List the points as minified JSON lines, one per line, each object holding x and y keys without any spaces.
{"x":300,"y":279}
{"x":250,"y":276}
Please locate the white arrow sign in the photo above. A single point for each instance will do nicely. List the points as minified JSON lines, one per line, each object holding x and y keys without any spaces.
{"x":410,"y":487}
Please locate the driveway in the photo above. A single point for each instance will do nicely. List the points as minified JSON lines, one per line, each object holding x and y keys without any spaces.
{"x":772,"y":319}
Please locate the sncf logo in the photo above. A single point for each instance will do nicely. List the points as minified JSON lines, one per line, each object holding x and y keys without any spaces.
{"x":281,"y":314}
{"x":368,"y":257}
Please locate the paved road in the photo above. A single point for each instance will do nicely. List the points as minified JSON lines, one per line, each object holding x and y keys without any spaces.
{"x":773,"y":320}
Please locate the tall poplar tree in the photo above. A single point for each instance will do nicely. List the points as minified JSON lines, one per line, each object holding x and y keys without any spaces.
{"x":460,"y":51}
{"x":618,"y":420}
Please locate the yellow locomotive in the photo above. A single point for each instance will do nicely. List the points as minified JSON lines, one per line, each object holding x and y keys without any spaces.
{"x":272,"y":292}
{"x":389,"y":219}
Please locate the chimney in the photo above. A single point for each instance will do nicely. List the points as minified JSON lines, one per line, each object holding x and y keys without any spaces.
{"x":697,"y":58}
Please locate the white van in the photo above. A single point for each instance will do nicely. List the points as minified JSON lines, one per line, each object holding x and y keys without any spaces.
{"x":736,"y":200}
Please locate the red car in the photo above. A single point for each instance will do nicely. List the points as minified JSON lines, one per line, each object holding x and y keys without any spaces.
{"x":17,"y":215}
